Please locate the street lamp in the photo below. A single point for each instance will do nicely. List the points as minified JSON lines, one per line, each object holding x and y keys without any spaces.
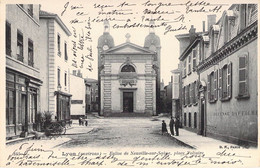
{"x":59,"y":87}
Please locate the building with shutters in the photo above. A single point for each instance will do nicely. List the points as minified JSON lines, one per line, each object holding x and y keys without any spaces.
{"x":226,"y":73}
{"x":55,"y":66}
{"x":23,"y":80}
{"x":190,"y":47}
{"x":228,"y":104}
{"x":128,"y":75}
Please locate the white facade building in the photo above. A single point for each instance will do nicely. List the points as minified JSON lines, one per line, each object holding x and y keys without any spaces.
{"x":54,"y":66}
{"x":78,"y":95}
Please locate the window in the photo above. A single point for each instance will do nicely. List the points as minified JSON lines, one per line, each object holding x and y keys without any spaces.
{"x":65,"y":79}
{"x":252,"y":13}
{"x":185,"y":119}
{"x":189,"y":119}
{"x":65,"y":51}
{"x":8,"y":39}
{"x":243,"y":16}
{"x":195,"y":92}
{"x":195,"y":120}
{"x":191,"y":93}
{"x":128,"y":68}
{"x":30,"y":10}
{"x":10,"y":107}
{"x":194,"y":54}
{"x":225,"y":79}
{"x":193,"y":96}
{"x":19,"y":46}
{"x":243,"y":76}
{"x":212,"y":86}
{"x":58,"y":43}
{"x":30,"y":53}
{"x":189,"y":65}
{"x":187,"y":98}
{"x":33,"y":108}
{"x":184,"y":67}
{"x":58,"y":77}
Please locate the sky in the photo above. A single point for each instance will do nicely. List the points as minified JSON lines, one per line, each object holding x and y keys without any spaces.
{"x":169,"y":44}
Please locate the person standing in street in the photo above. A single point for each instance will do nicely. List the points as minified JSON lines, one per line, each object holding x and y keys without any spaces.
{"x":177,"y":124}
{"x":164,"y":129}
{"x":171,"y":126}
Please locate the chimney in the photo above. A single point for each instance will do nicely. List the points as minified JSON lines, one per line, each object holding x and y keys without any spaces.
{"x":78,"y":73}
{"x":211,"y":20}
{"x":203,"y":26}
{"x":192,"y":33}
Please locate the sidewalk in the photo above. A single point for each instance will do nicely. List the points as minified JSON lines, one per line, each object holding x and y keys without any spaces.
{"x":75,"y":129}
{"x":194,"y":140}
{"x":198,"y":141}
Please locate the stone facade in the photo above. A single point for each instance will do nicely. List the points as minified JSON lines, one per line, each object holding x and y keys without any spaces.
{"x":141,"y":82}
{"x":22,"y":69}
{"x":226,"y":65}
{"x":55,"y":71}
{"x":128,"y":74}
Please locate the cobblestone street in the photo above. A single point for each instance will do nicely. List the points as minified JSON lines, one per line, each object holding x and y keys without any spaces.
{"x":122,"y":132}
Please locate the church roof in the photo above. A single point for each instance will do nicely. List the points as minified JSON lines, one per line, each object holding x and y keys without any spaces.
{"x":152,"y":39}
{"x":107,"y":39}
{"x":128,"y":48}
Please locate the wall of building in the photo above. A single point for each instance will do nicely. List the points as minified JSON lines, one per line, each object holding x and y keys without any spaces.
{"x":44,"y":66}
{"x":191,"y":109}
{"x":235,"y":120}
{"x":112,"y":91}
{"x":78,"y":96}
{"x":29,"y":27}
{"x":51,"y":61}
{"x":22,"y":79}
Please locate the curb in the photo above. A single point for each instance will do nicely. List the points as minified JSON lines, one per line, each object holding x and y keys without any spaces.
{"x":14,"y":141}
{"x":70,"y":139}
{"x":193,"y":147}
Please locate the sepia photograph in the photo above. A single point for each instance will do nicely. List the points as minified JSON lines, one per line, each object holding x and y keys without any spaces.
{"x":127,"y":83}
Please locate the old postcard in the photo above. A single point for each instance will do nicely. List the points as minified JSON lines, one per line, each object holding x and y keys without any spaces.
{"x":129,"y":83}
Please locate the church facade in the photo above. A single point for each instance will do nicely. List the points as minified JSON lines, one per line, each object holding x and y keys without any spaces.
{"x":128,"y":76}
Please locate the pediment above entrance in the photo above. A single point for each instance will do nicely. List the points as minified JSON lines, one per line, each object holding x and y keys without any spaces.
{"x":128,"y":48}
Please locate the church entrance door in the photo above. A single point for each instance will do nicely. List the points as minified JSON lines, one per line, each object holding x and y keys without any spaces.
{"x":128,"y":102}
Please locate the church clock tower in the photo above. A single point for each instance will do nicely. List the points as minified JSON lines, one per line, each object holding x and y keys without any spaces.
{"x":105,"y":42}
{"x":152,"y":42}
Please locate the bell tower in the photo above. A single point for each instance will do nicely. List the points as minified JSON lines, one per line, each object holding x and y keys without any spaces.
{"x":152,"y":42}
{"x":105,"y":42}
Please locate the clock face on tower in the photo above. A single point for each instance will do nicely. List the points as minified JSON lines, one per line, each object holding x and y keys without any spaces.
{"x":105,"y":47}
{"x":152,"y":48}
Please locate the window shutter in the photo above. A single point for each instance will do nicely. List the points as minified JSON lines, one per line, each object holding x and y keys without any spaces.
{"x":196,"y":91}
{"x":229,"y":80}
{"x":183,"y":96}
{"x":209,"y":87}
{"x":246,"y":69}
{"x":191,"y":93}
{"x":216,"y":85}
{"x":220,"y":83}
{"x":194,"y":58}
